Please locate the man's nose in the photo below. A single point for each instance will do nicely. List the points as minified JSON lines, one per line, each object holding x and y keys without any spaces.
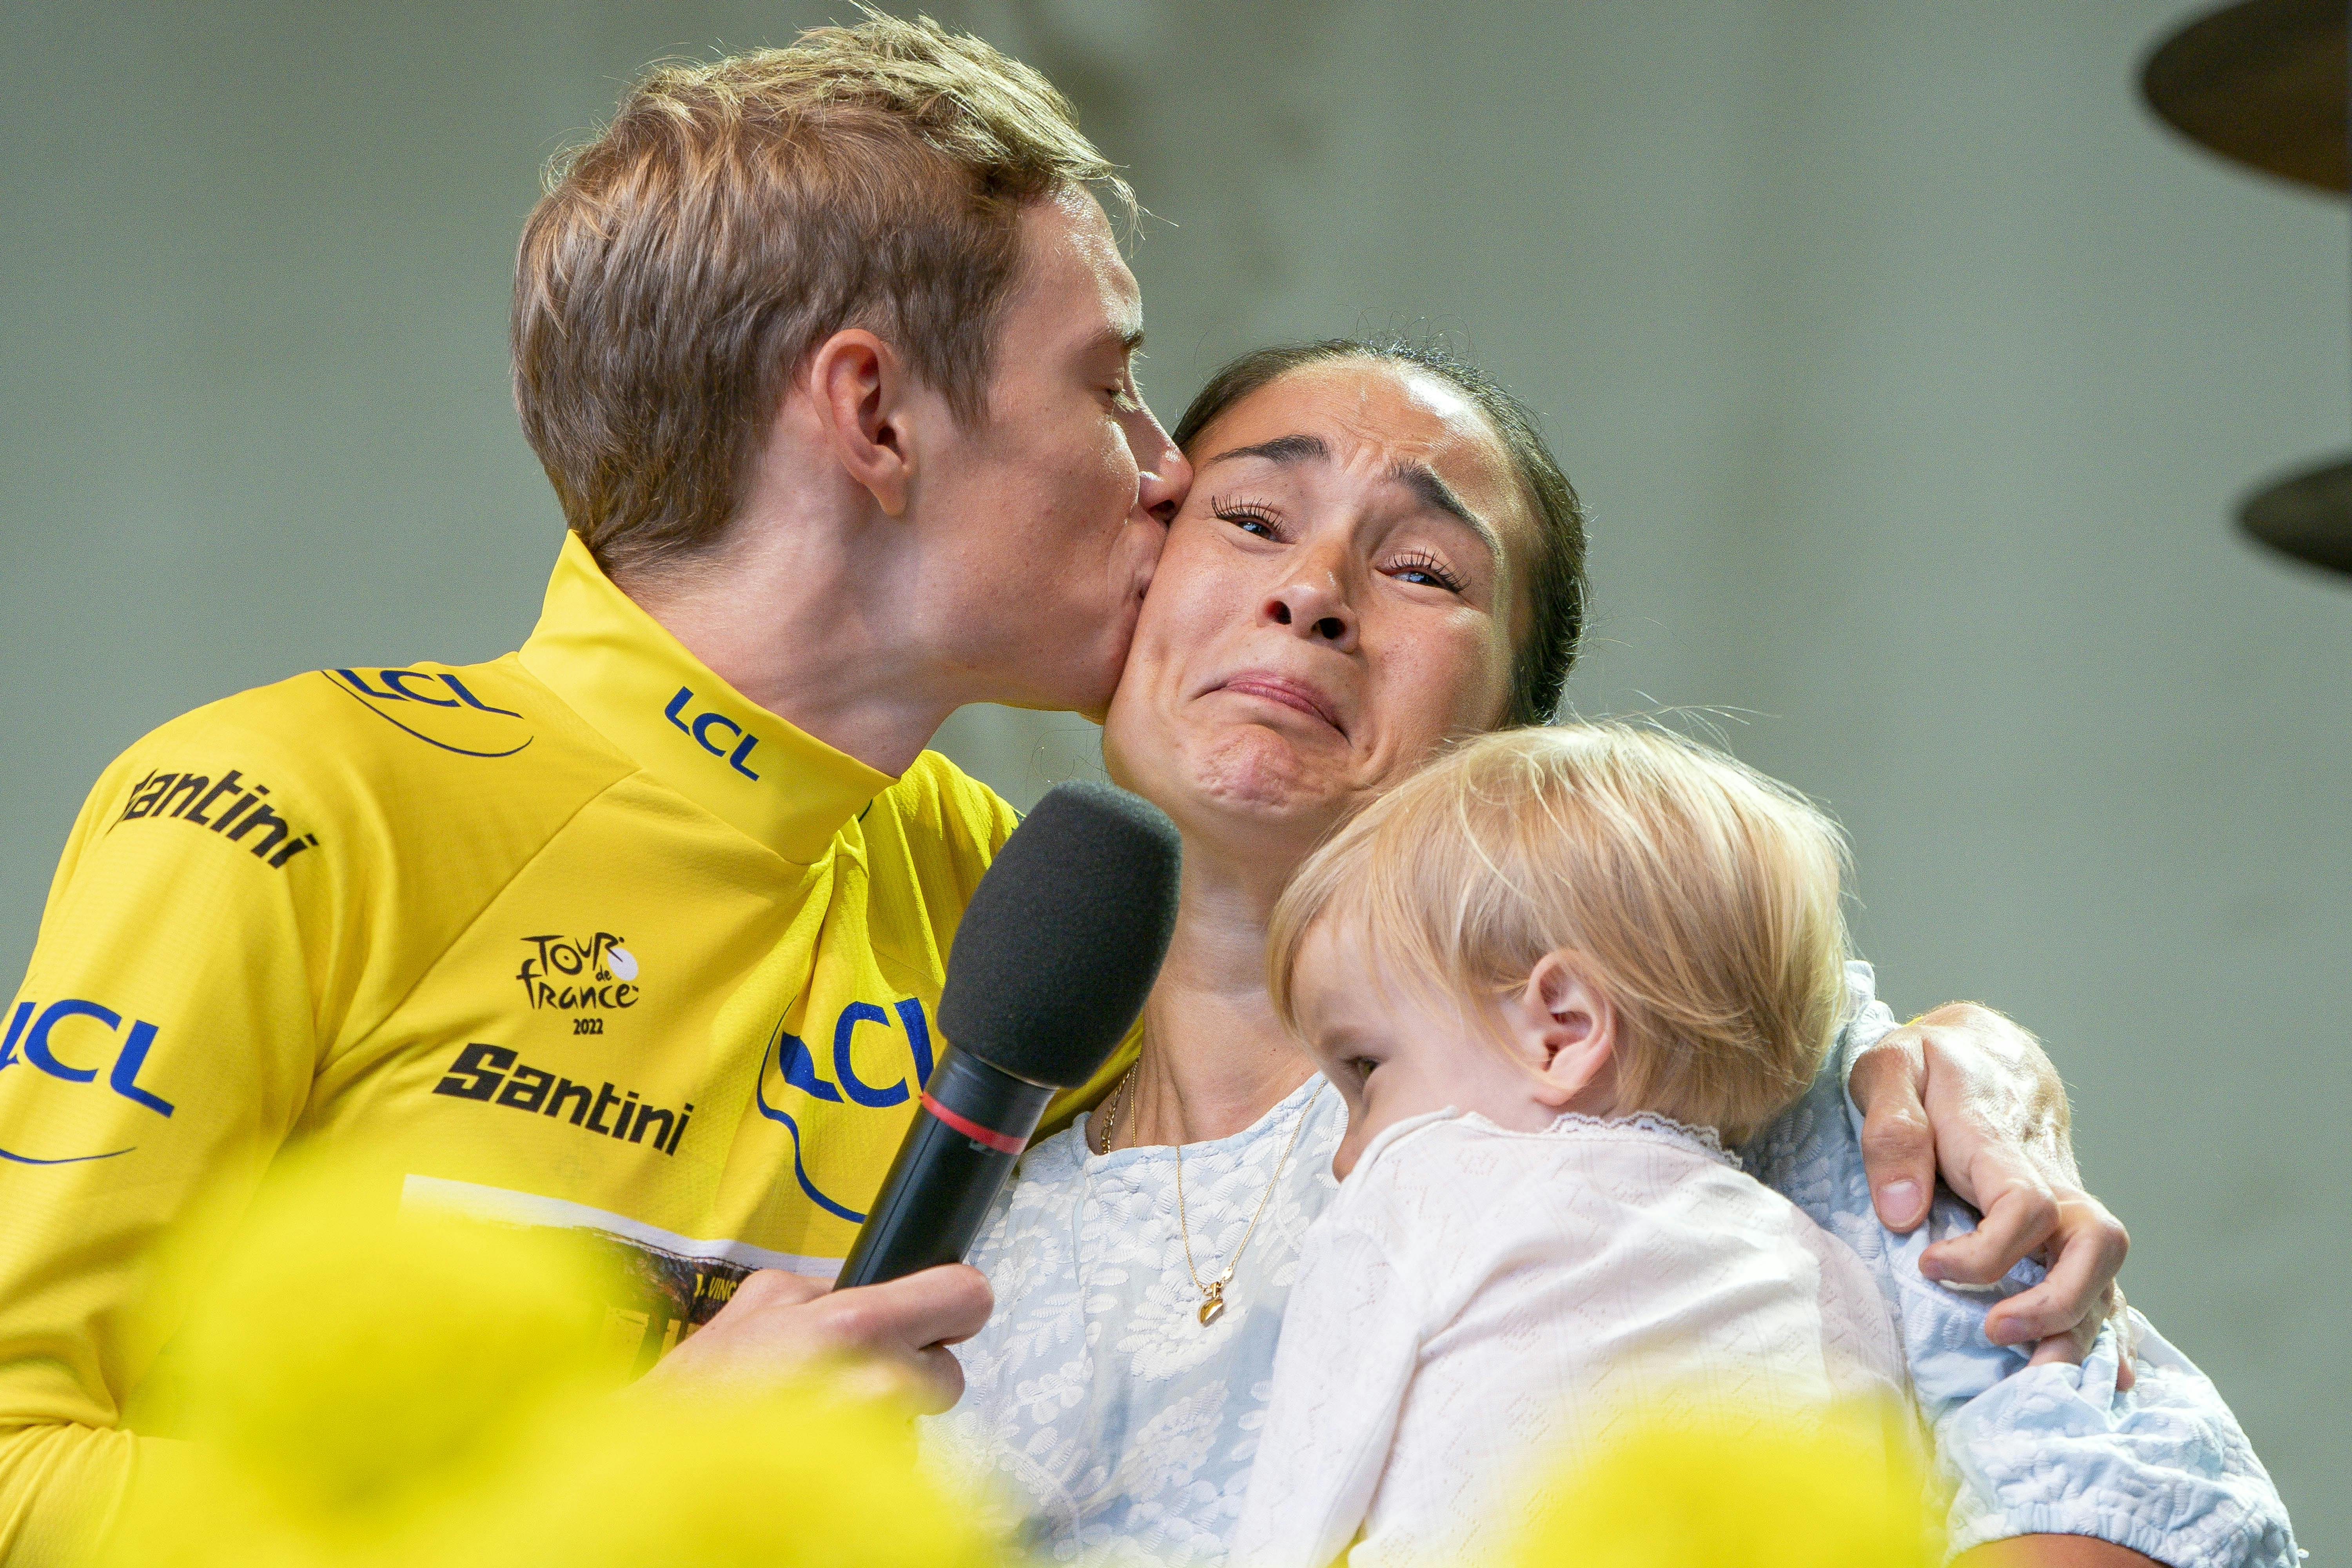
{"x":1166,"y":477}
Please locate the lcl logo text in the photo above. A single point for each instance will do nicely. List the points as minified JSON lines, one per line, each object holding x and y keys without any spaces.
{"x":801,"y":1070}
{"x":34,"y":1040}
{"x":701,"y":727}
{"x":421,"y":685}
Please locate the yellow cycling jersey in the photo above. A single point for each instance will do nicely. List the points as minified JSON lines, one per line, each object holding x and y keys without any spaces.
{"x":577,"y":937}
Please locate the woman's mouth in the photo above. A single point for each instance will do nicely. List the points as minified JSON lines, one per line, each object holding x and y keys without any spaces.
{"x":1290,"y":693}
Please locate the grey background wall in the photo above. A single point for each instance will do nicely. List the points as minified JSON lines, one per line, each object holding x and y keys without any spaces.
{"x":1908,"y":368}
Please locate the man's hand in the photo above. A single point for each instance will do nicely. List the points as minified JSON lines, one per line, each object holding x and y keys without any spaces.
{"x":890,"y":1338}
{"x":1965,"y":1091}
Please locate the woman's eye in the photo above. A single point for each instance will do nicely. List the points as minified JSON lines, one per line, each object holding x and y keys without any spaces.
{"x":1250,"y":520}
{"x":1426,"y":570}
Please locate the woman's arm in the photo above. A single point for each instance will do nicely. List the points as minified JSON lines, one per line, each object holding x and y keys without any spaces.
{"x":2161,"y":1467}
{"x":2157,"y":1464}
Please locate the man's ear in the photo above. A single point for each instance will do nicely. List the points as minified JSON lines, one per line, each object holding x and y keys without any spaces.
{"x":1567,"y":1031}
{"x":861,"y":388}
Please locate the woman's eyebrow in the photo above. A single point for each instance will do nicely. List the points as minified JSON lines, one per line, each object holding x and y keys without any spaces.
{"x":1438,"y":496}
{"x":1281,"y":450}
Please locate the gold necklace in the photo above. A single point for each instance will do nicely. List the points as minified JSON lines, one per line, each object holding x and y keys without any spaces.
{"x":1212,"y":1291}
{"x":1117,"y":1103}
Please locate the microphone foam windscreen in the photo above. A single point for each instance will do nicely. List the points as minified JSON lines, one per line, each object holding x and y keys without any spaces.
{"x":1064,"y":936}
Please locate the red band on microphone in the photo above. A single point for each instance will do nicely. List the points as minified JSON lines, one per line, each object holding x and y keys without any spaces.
{"x":971,"y":1129}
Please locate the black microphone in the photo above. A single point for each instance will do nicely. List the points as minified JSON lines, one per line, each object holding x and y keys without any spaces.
{"x":1050,"y":966}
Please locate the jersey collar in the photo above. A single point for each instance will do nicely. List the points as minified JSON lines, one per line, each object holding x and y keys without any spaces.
{"x":639,"y":688}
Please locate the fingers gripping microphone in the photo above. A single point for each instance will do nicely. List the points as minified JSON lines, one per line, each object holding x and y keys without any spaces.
{"x":1050,"y":966}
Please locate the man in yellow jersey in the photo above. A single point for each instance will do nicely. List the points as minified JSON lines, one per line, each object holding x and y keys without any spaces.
{"x":640,"y":931}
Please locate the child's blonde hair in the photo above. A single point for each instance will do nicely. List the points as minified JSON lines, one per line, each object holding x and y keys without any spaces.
{"x":1699,"y":896}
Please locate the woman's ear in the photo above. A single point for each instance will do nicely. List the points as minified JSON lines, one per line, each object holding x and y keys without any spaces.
{"x":1566,"y":1033}
{"x":859,"y":386}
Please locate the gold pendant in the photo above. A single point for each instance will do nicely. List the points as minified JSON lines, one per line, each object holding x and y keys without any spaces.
{"x":1215,"y":1307}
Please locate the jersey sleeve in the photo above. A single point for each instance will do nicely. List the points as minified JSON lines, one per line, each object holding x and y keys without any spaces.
{"x":161,"y":1043}
{"x":1351,"y":1337}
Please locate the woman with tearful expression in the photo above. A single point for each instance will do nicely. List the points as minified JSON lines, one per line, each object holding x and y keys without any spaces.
{"x":1378,"y":555}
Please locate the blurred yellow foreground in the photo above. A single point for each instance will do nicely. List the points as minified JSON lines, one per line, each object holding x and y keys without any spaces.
{"x":359,"y":1391}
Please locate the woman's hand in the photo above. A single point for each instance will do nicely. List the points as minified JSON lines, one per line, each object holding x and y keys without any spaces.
{"x":889,"y":1338}
{"x":1965,"y":1091}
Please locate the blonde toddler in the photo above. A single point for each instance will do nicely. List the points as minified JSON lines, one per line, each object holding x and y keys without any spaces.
{"x":1556,"y":976}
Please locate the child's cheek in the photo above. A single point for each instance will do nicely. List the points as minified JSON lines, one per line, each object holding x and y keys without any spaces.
{"x":1351,"y":1142}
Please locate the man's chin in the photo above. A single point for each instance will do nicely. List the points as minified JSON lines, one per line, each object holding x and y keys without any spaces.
{"x":1095,"y":705}
{"x":1095,"y":708}
{"x":1070,"y":687}
{"x":1090,"y":700}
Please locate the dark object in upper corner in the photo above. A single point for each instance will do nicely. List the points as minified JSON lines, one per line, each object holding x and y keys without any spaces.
{"x":2262,"y":82}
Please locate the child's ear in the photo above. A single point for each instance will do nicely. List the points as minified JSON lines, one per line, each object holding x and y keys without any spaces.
{"x":1567,"y":1029}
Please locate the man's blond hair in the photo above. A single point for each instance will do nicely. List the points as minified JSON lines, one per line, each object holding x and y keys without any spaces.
{"x":1698,"y":895}
{"x":686,"y":262}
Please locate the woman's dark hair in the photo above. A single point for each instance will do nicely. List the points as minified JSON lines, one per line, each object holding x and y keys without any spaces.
{"x":1554,"y":563}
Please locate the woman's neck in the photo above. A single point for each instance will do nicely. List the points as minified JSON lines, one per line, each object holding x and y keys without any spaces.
{"x":1216,"y":1060}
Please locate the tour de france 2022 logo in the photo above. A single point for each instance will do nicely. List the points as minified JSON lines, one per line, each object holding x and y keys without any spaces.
{"x":586,"y":977}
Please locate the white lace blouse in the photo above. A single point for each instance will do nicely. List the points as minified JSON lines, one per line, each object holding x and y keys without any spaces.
{"x":1118,"y":1427}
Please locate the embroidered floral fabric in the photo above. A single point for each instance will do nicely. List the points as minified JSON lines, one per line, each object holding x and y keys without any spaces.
{"x":1108,"y":1416}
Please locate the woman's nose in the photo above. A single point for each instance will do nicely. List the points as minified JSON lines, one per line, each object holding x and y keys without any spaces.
{"x":1315,"y":607}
